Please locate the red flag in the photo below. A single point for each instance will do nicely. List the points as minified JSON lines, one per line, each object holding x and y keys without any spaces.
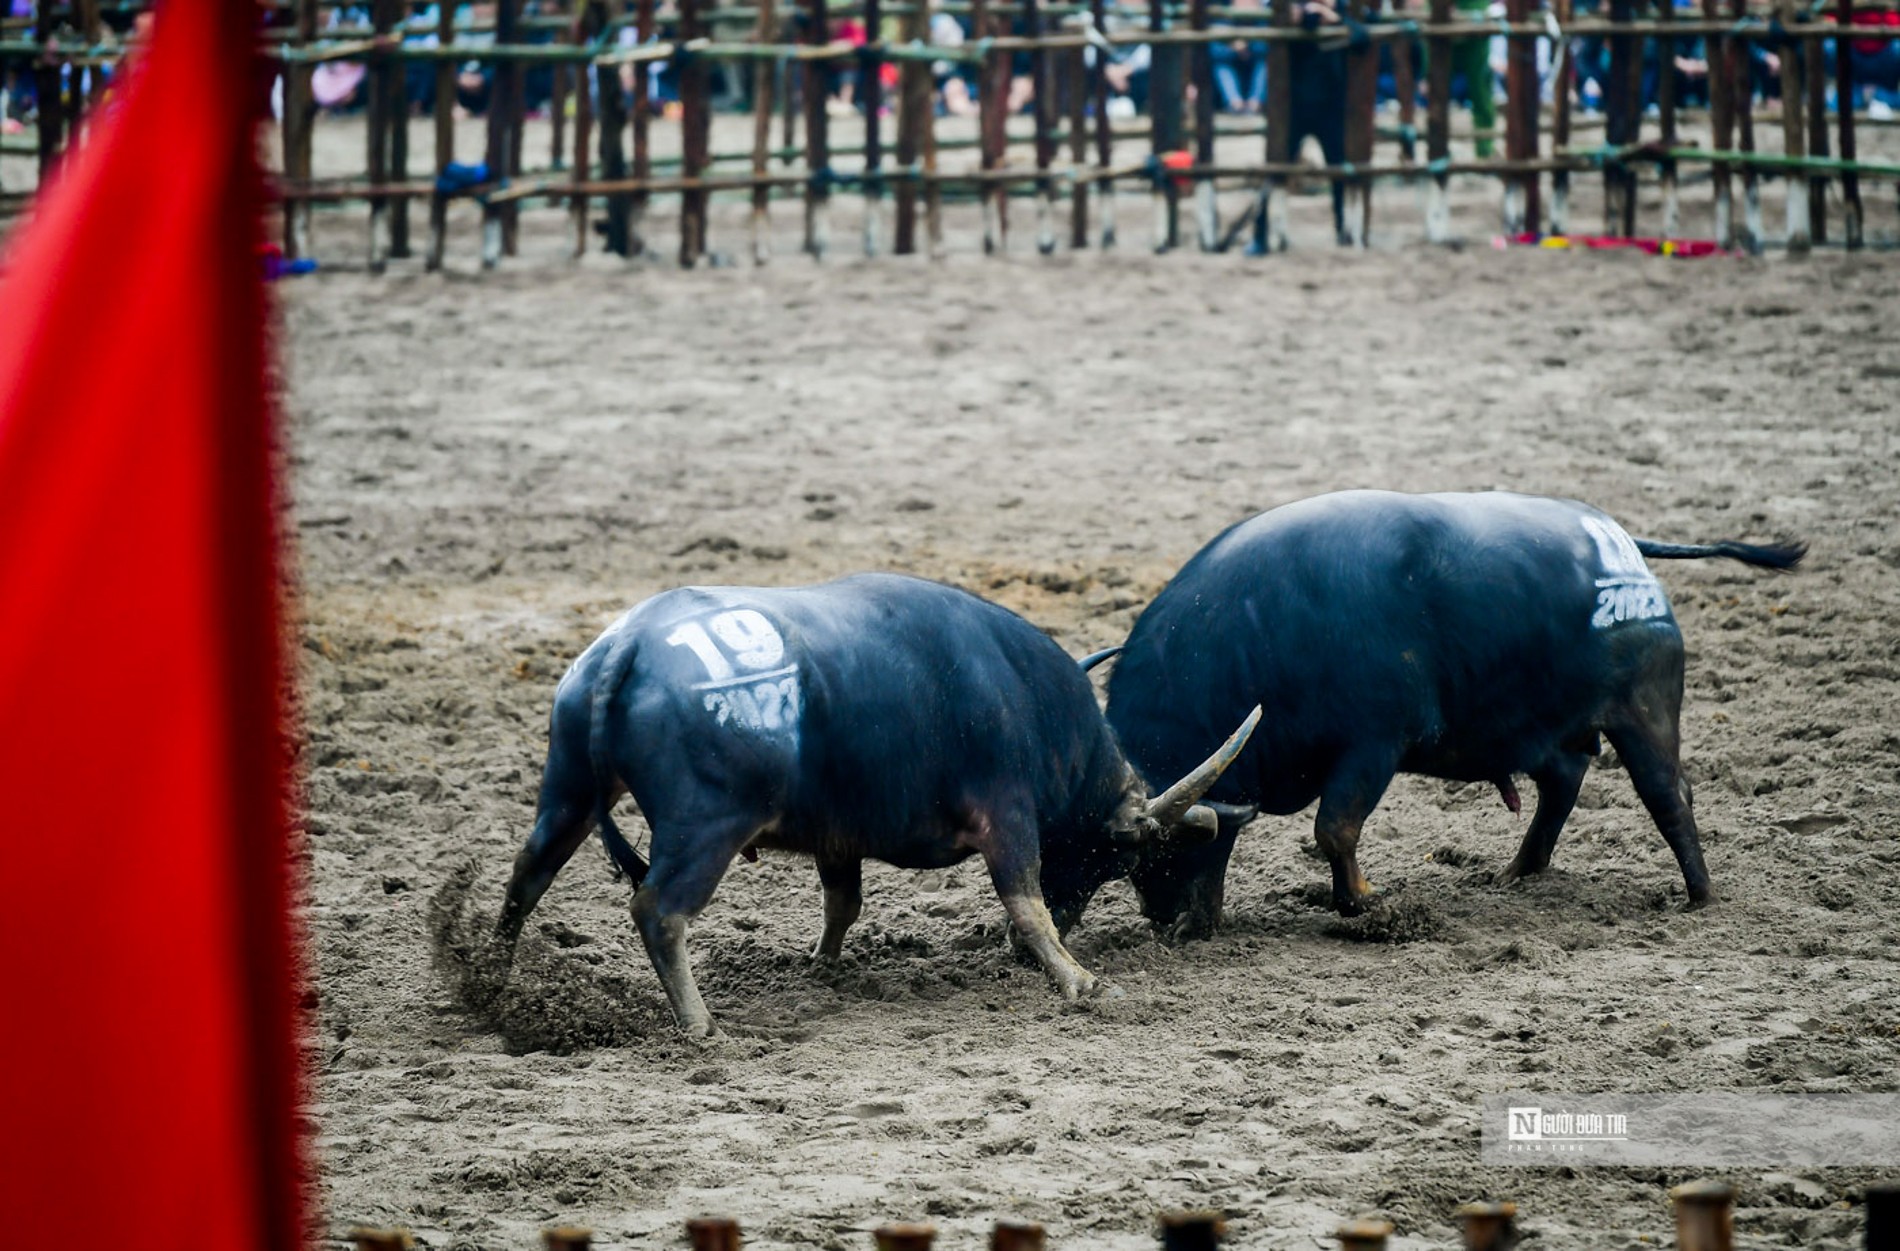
{"x":148,"y":1064}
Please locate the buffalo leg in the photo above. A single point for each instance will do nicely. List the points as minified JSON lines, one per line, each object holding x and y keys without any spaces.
{"x":685,"y":871}
{"x":1349,"y":798}
{"x":563,"y":816}
{"x":1651,"y":754}
{"x":1557,"y":785}
{"x":1018,"y":883}
{"x":843,"y":881}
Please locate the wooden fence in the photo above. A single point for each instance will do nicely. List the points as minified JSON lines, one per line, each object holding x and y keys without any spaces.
{"x":1066,"y":47}
{"x":1704,"y":1221}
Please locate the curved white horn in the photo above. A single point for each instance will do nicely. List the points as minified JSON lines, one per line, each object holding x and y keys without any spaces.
{"x":1172,"y":804}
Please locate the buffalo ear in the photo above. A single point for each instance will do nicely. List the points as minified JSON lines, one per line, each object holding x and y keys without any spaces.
{"x":1199,"y":824}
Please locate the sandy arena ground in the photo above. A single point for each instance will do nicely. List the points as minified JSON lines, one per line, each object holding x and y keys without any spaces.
{"x":489,"y":469}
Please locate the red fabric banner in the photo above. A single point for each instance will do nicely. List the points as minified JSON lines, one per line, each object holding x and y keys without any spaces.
{"x":148,"y":1065}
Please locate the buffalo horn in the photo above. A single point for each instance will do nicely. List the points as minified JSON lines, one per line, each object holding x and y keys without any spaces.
{"x":1172,"y":804}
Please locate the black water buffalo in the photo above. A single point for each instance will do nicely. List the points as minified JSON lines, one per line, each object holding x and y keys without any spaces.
{"x":877,"y":716}
{"x":1468,"y":637}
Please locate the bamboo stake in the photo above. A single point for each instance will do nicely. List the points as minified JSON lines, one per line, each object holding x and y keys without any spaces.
{"x":1206,"y":210}
{"x":764,"y":79}
{"x":871,"y":98}
{"x":589,"y":21}
{"x":645,"y":25}
{"x":1437,"y":124}
{"x":1565,"y":79}
{"x":695,"y":137}
{"x":1666,"y":108}
{"x":1362,"y":80}
{"x":1815,"y":73}
{"x":1744,"y":88}
{"x":1720,"y":51}
{"x":1846,"y":95}
{"x":299,"y":125}
{"x":1104,"y":128}
{"x":1076,"y":72}
{"x":1166,"y":90}
{"x":817,"y":131}
{"x":1042,"y":71}
{"x":1794,"y":135}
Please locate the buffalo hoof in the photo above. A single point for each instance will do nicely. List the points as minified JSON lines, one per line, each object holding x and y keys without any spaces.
{"x":1189,"y":927}
{"x":1074,"y":988}
{"x":1514,"y":872}
{"x":1705,"y":899}
{"x":1352,"y":905}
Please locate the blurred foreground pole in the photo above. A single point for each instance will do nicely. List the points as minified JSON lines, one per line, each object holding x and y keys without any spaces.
{"x":145,"y":950}
{"x":1705,"y":1216}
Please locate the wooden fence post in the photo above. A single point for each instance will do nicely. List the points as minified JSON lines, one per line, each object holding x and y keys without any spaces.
{"x":1846,"y":95}
{"x":1043,"y":80}
{"x":1794,"y":132}
{"x":1721,"y":124}
{"x":300,"y":112}
{"x":1489,"y":1226}
{"x":1666,"y":108}
{"x":1815,"y":72}
{"x":612,"y":108}
{"x":645,"y":27}
{"x":1017,"y":1235}
{"x":904,"y":1237}
{"x":871,"y":100}
{"x":1166,"y":90}
{"x":1362,"y":82}
{"x":1104,"y":127}
{"x":48,"y":92}
{"x":992,"y":100}
{"x":1744,"y":99}
{"x":1566,"y":73}
{"x":817,"y":136}
{"x":913,"y":115}
{"x":764,"y":82}
{"x":589,"y":22}
{"x":1077,"y":98}
{"x":695,"y":134}
{"x":1621,"y":124}
{"x":502,"y":126}
{"x":713,"y":1233}
{"x":1197,"y":1229}
{"x":1364,"y":1235}
{"x":1705,"y":1215}
{"x":1437,"y":124}
{"x":1206,"y":209}
{"x":383,"y":71}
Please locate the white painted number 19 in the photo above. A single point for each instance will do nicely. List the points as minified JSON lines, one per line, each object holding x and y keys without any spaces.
{"x":753,"y":641}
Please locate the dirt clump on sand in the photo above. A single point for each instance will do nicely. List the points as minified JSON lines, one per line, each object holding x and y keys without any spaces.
{"x":487,"y":472}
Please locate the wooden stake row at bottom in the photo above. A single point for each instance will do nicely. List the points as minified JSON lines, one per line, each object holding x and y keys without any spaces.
{"x":1705,"y":1221}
